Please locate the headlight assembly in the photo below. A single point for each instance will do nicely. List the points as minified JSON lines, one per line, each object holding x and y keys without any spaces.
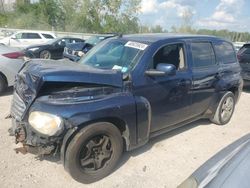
{"x":45,"y":123}
{"x":33,"y":49}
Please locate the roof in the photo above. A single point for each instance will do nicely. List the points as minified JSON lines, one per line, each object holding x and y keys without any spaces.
{"x":154,"y":37}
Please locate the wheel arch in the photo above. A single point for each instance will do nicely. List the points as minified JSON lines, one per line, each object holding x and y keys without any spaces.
{"x":118,"y":122}
{"x":235,"y":90}
{"x":4,"y":77}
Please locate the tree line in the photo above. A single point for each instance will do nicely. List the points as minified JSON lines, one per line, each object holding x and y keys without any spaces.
{"x":93,"y":16}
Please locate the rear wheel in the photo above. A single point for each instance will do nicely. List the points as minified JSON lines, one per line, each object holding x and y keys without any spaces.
{"x":224,"y":110}
{"x":3,"y":84}
{"x":45,"y":54}
{"x":94,"y":152}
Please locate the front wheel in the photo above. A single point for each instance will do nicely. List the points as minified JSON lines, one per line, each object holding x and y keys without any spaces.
{"x":45,"y":54}
{"x":224,"y":110}
{"x":94,"y":152}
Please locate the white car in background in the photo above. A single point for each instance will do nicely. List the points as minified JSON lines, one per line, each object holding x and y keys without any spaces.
{"x":27,"y":38}
{"x":11,"y":60}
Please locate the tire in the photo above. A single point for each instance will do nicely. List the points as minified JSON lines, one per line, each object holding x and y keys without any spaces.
{"x":226,"y":106}
{"x":45,"y":54}
{"x":3,"y":84}
{"x":82,"y":160}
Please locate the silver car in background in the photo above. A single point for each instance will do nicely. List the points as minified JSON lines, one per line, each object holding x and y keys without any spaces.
{"x":11,"y":60}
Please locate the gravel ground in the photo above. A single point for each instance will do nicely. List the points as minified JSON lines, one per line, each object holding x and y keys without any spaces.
{"x":164,"y":162}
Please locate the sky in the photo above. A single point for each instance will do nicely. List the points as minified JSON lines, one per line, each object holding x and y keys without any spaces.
{"x":233,"y":15}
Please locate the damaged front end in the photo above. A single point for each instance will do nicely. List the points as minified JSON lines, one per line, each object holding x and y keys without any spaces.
{"x":32,"y":143}
{"x":39,"y":120}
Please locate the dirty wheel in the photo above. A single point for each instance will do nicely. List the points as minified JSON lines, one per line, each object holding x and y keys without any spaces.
{"x":224,"y":110}
{"x":45,"y":54}
{"x":93,"y":152}
{"x":3,"y":84}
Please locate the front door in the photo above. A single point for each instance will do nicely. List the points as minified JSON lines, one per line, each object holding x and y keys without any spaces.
{"x":169,"y":95}
{"x":58,"y":48}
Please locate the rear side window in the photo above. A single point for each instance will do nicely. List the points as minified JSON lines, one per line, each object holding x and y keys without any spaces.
{"x":31,"y":36}
{"x":225,"y":53}
{"x":47,"y":36}
{"x":203,"y":54}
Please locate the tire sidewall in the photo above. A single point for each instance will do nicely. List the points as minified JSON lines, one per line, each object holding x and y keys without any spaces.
{"x":72,"y":163}
{"x":228,"y":94}
{"x":46,"y":52}
{"x":3,"y":84}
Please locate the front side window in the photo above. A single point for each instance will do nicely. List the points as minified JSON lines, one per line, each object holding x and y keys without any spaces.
{"x":170,"y":54}
{"x":63,"y":42}
{"x":116,"y":54}
{"x":225,"y":53}
{"x":94,"y":40}
{"x":203,"y":54}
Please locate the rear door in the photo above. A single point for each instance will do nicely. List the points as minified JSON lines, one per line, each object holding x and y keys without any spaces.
{"x":58,"y":48}
{"x":205,"y":74}
{"x":28,"y":38}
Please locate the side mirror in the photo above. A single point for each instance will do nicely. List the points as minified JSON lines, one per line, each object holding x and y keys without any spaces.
{"x":169,"y":69}
{"x":162,"y":69}
{"x":63,"y":44}
{"x":13,"y":37}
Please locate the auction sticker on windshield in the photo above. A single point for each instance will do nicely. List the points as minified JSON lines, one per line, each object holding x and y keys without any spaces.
{"x":136,"y":45}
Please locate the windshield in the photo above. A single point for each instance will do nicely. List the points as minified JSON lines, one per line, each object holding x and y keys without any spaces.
{"x":115,"y":54}
{"x":52,"y":41}
{"x":95,"y":40}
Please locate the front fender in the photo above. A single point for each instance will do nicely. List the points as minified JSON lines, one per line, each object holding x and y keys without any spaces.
{"x":80,"y":114}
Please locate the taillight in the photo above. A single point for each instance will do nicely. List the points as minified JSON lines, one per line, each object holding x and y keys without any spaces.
{"x":14,"y":55}
{"x":239,"y":56}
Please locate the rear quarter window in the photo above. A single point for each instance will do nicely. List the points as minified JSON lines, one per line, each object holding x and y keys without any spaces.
{"x":203,"y":54}
{"x":47,"y":36}
{"x":225,"y":53}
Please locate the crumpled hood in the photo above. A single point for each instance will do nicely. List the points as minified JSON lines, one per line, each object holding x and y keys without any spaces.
{"x":37,"y":72}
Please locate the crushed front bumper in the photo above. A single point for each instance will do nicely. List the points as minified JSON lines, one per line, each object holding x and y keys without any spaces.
{"x":31,"y":142}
